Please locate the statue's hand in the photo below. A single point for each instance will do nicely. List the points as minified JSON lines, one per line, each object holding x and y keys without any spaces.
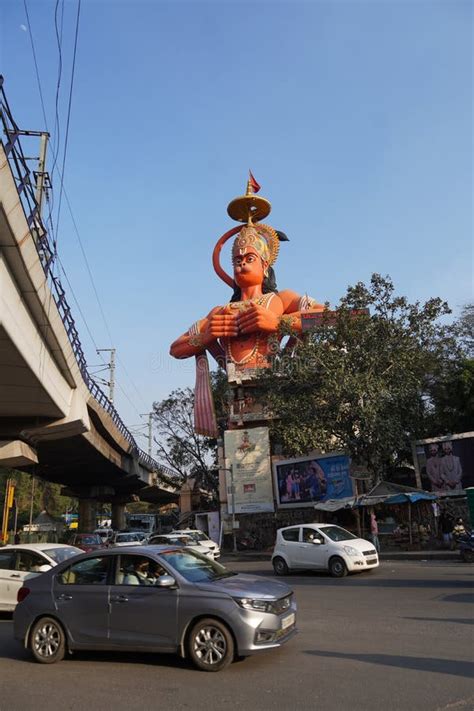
{"x":221,"y":326}
{"x":257,"y":318}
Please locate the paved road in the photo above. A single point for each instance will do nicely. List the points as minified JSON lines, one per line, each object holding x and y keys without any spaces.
{"x":397,"y":639}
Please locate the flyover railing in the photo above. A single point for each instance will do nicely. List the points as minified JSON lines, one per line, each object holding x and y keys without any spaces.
{"x":46,"y":251}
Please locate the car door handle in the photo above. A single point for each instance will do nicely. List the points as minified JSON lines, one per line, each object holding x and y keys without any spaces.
{"x":64,"y":597}
{"x":119,"y":598}
{"x":15,"y":575}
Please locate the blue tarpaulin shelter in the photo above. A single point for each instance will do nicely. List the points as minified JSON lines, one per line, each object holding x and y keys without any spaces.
{"x":410,"y":498}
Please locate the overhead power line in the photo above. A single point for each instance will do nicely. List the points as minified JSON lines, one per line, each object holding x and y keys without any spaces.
{"x":55,"y":149}
{"x":36,"y":64}
{"x":68,"y":117}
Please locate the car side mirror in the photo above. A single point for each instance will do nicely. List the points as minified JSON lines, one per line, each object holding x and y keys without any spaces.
{"x":44,"y":568}
{"x":316,"y":541}
{"x":165,"y":581}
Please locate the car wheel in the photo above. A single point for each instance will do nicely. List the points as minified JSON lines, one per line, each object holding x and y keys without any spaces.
{"x":47,"y":641}
{"x":337,"y":567}
{"x":210,"y":645}
{"x":280,"y":567}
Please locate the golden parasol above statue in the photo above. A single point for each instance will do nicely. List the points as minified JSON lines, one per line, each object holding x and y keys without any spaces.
{"x":249,"y":207}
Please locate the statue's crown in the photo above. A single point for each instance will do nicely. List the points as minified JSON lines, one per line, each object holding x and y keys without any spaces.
{"x":261,"y":238}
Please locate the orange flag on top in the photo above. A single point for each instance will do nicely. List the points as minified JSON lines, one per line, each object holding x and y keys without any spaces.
{"x":253,"y":183}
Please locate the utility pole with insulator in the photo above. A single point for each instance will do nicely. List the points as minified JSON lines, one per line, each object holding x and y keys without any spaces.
{"x":111,"y":367}
{"x":150,"y":436}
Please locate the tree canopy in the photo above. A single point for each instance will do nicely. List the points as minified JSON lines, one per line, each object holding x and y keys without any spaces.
{"x":362,"y":382}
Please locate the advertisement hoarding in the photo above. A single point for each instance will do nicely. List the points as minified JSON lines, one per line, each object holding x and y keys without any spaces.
{"x":248,"y":453}
{"x":307,"y":480}
{"x":445,"y":464}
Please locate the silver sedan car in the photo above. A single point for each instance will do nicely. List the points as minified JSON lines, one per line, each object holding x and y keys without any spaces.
{"x":157,"y":599}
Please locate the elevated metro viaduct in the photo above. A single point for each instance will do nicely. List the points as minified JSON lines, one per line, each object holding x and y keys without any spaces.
{"x":55,"y":422}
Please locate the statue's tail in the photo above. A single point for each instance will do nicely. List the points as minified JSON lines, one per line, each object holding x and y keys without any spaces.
{"x":205,"y":422}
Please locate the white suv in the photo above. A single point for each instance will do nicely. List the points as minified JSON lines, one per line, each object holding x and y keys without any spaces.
{"x":322,"y":546}
{"x":202,"y":539}
{"x":179,"y":539}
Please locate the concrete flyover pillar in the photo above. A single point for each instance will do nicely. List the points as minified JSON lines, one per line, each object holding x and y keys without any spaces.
{"x":87,"y":515}
{"x":118,"y":516}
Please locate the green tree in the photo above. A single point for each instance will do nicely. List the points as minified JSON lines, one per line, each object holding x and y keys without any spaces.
{"x":452,"y":393}
{"x":191,"y":455}
{"x":46,"y":495}
{"x":361,"y":382}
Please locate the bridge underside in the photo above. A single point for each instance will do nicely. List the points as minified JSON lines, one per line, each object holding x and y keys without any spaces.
{"x":54,"y":421}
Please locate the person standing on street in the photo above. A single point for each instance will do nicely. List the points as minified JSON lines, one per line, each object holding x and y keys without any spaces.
{"x":445,"y":526}
{"x":374,"y":530}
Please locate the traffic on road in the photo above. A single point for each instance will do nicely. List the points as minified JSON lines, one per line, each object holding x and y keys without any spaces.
{"x":398,"y":637}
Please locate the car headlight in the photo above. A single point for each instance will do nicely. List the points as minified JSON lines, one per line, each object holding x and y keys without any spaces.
{"x":249,"y":603}
{"x":351,"y":551}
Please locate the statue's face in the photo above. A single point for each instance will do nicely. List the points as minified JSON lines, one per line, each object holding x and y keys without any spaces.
{"x":248,"y":269}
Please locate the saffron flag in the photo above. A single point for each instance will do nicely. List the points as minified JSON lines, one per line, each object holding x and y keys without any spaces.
{"x":253,"y":183}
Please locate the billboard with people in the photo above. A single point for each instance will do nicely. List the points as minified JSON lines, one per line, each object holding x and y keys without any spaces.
{"x":307,"y":480}
{"x":446,"y":464}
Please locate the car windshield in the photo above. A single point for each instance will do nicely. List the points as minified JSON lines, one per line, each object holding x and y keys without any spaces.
{"x":90,"y":540}
{"x":335,"y":533}
{"x":127,"y":537}
{"x":194,"y":567}
{"x":61,"y":554}
{"x":198,"y":536}
{"x":177,"y":540}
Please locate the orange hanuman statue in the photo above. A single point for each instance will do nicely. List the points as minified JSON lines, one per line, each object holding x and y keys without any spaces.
{"x":241,"y":332}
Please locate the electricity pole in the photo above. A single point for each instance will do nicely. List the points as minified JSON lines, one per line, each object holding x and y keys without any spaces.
{"x":111,"y":367}
{"x":41,"y":174}
{"x":150,"y":436}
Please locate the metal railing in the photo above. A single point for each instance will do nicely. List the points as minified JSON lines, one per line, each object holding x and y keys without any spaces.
{"x":26,"y":191}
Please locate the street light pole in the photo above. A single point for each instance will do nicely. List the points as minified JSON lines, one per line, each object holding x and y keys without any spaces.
{"x":232,"y":491}
{"x":234,"y":540}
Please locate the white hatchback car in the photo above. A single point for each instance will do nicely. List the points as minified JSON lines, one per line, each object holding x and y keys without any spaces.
{"x":201,"y":538}
{"x":322,"y":546}
{"x":27,"y":560}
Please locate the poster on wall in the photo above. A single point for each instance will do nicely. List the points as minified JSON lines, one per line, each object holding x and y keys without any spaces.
{"x":446,"y":464}
{"x":306,"y":481}
{"x":248,"y":453}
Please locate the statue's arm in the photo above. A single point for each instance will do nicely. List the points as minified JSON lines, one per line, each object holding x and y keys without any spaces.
{"x":204,"y":333}
{"x":294,"y":305}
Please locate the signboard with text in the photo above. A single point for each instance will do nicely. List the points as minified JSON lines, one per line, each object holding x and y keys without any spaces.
{"x":248,"y":453}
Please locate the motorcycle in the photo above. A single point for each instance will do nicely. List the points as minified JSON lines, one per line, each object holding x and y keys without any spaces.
{"x":466,"y":548}
{"x":248,"y":542}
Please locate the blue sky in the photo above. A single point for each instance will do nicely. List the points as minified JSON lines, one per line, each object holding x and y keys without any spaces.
{"x":355,"y":117}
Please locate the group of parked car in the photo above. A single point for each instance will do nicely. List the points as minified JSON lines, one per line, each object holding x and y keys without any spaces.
{"x":163,"y":593}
